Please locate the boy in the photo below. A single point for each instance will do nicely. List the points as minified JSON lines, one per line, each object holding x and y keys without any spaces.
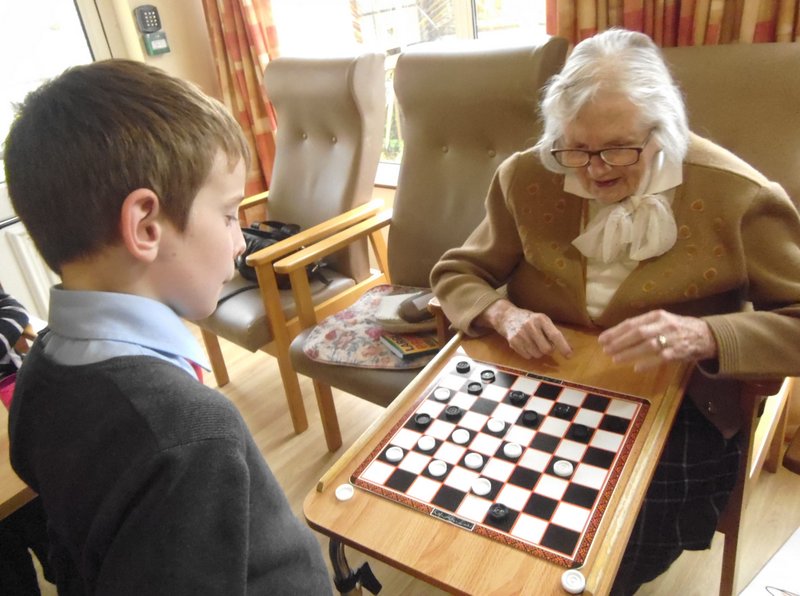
{"x":128,"y":181}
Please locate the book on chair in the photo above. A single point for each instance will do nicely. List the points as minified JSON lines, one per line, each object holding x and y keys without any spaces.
{"x":411,"y":345}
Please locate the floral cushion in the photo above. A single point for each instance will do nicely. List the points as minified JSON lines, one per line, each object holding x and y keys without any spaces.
{"x":352,"y":336}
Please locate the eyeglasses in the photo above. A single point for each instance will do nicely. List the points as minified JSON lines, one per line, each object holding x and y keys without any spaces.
{"x":614,"y":156}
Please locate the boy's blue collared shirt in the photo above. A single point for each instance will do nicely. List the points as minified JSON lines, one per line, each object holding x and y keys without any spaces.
{"x":88,"y":327}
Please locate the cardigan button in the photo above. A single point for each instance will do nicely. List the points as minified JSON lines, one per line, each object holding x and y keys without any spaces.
{"x":492,"y":152}
{"x":710,"y":408}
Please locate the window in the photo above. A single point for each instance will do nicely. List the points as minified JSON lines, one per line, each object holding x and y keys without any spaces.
{"x":392,"y":26}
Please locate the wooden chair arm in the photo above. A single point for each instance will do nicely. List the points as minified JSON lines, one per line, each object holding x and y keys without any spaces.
{"x":332,"y":243}
{"x":254,"y":200}
{"x":314,"y":234}
{"x":443,"y":330}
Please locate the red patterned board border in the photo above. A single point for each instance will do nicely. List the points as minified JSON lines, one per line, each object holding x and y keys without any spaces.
{"x":540,"y":551}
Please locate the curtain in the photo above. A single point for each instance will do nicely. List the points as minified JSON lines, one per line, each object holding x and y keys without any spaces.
{"x":679,"y":22}
{"x":243,"y":41}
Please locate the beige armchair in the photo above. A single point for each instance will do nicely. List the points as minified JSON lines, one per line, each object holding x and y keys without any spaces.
{"x":330,"y":123}
{"x":746,"y":97}
{"x":462,"y":113}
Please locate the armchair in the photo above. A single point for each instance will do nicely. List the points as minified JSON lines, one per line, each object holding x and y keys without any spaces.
{"x":462,"y":113}
{"x":743,"y":97}
{"x":328,"y":143}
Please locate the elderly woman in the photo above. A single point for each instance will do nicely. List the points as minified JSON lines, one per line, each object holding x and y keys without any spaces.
{"x":621,"y":218}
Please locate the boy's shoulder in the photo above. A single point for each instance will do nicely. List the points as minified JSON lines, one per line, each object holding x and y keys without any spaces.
{"x":163,"y":400}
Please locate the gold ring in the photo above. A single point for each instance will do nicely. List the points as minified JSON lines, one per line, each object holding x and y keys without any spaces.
{"x":662,"y":341}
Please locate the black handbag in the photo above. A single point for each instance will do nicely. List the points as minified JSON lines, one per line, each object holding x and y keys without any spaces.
{"x":266,"y":233}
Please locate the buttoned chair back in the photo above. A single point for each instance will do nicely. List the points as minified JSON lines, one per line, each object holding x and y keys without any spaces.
{"x":746,"y":97}
{"x":462,"y":112}
{"x":330,"y":114}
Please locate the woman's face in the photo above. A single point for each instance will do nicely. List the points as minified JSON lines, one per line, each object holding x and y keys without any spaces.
{"x":610,"y":120}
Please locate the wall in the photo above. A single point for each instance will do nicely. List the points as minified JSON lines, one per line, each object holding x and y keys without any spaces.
{"x":184,"y":23}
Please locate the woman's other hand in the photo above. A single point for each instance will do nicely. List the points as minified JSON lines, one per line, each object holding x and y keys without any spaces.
{"x":531,"y":335}
{"x":658,"y":336}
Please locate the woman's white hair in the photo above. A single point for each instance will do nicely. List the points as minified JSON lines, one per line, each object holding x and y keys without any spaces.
{"x":620,"y":61}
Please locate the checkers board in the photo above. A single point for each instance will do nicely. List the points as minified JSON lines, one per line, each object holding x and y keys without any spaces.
{"x":448,"y":456}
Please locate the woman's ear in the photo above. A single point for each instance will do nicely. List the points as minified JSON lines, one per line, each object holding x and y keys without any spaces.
{"x":140,"y":225}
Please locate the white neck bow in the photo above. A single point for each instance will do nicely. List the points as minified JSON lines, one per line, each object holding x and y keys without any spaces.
{"x":639,"y":227}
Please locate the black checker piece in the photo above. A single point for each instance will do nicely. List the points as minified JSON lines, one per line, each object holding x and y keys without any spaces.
{"x":580,"y":433}
{"x":495,"y":519}
{"x":530,"y":418}
{"x":564,"y":411}
{"x":516,"y":398}
{"x":547,"y":390}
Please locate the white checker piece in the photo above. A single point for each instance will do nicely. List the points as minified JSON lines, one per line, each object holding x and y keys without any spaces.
{"x":461,"y":478}
{"x":405,"y":438}
{"x":529,"y":528}
{"x":525,"y":385}
{"x":473,"y":508}
{"x":439,"y":429}
{"x":535,"y":460}
{"x":494,"y":392}
{"x":606,"y":440}
{"x":550,"y":486}
{"x":588,"y":418}
{"x":571,"y":516}
{"x":554,"y":426}
{"x":590,"y":476}
{"x":450,"y":453}
{"x":519,"y":434}
{"x":486,"y":444}
{"x":623,"y":409}
{"x":571,"y":396}
{"x":570,"y":450}
{"x":378,"y":472}
{"x":473,"y":421}
{"x":414,"y":462}
{"x":506,"y":413}
{"x":463,"y":400}
{"x":513,"y":497}
{"x":498,"y":469}
{"x":423,"y":488}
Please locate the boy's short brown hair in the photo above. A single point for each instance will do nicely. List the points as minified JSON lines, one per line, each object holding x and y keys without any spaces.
{"x":84,"y":140}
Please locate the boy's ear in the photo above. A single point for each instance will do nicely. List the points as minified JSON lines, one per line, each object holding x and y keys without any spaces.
{"x":140,"y":225}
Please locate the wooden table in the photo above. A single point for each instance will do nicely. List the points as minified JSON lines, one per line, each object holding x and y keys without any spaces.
{"x":462,"y":562}
{"x":13,"y":492}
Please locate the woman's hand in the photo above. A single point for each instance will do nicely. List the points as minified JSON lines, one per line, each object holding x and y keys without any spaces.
{"x":531,"y":335}
{"x":658,"y":336}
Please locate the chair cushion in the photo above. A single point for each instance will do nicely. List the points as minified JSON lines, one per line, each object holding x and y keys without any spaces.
{"x":379,"y":386}
{"x":351,"y":337}
{"x":242,"y":319}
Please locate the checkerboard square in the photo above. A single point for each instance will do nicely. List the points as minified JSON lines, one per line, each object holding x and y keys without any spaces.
{"x":535,"y":459}
{"x":506,"y":413}
{"x":552,"y":487}
{"x":485,"y":444}
{"x":498,"y":469}
{"x":525,"y":384}
{"x":570,"y":450}
{"x":529,"y":528}
{"x":513,"y":497}
{"x":494,"y":393}
{"x":454,"y":382}
{"x":414,"y":462}
{"x":519,"y":434}
{"x":588,"y":418}
{"x":599,"y":457}
{"x":473,"y":508}
{"x":431,"y":407}
{"x":439,"y":429}
{"x":615,"y":424}
{"x":423,"y":488}
{"x":540,"y":405}
{"x":589,"y":476}
{"x":400,"y":480}
{"x":554,"y":426}
{"x":596,"y":402}
{"x":473,"y":421}
{"x":450,"y":452}
{"x":544,"y":442}
{"x":580,"y":495}
{"x":560,"y":539}
{"x":571,"y":516}
{"x":378,"y":472}
{"x":571,"y":396}
{"x":462,"y":400}
{"x":541,"y":506}
{"x":623,"y":409}
{"x":524,"y":477}
{"x":606,"y":440}
{"x":548,"y":390}
{"x":448,"y":498}
{"x":406,"y":438}
{"x":461,"y":478}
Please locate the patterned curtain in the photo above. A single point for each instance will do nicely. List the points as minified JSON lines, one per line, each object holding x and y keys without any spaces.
{"x":243,"y":41}
{"x":679,"y":22}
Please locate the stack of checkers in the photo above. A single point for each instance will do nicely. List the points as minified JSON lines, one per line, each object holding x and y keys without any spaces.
{"x":510,"y":455}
